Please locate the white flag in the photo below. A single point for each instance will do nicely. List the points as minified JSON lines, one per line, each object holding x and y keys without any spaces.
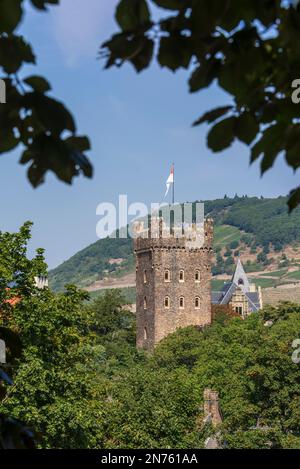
{"x":170,"y":180}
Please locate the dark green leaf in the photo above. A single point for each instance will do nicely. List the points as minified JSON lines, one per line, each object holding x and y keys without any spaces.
{"x":142,"y":59}
{"x":293,"y":146}
{"x":270,"y":145}
{"x":213,"y":115}
{"x":10,"y":15}
{"x":81,"y":143}
{"x":42,"y":4}
{"x":63,"y":157}
{"x":132,"y":14}
{"x":37,"y":83}
{"x":222,"y":135}
{"x":8,"y":141}
{"x":172,"y":4}
{"x":174,"y":52}
{"x":14,"y":51}
{"x":247,"y":128}
{"x":53,"y":114}
{"x":294,"y":199}
{"x":203,"y":76}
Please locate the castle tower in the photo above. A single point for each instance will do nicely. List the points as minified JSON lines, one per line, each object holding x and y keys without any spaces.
{"x":173,"y":280}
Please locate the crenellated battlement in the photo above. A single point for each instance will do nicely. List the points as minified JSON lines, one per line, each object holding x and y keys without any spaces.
{"x":160,"y":236}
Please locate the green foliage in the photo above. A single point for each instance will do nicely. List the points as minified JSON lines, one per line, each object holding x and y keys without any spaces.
{"x":267,"y":220}
{"x":249,"y":48}
{"x":80,"y":382}
{"x":30,"y":119}
{"x":159,"y":403}
{"x":16,"y":271}
{"x":56,"y":388}
{"x":52,"y":356}
{"x":234,"y":245}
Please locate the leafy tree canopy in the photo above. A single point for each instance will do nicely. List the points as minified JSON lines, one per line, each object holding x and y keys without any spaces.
{"x":31,"y":119}
{"x":249,"y":48}
{"x":79,"y":381}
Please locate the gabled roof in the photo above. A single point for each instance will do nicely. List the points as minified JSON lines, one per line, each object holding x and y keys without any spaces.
{"x":228,"y":295}
{"x":239,"y":281}
{"x":240,"y":278}
{"x":216,"y":297}
{"x":254,"y":302}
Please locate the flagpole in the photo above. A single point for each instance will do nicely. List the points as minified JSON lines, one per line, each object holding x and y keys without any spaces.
{"x":173,"y":193}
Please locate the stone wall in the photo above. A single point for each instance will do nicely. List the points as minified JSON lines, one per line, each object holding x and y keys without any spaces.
{"x":155,"y":257}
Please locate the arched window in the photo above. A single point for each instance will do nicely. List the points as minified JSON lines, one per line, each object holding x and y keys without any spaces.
{"x":197,"y":276}
{"x":145,"y":276}
{"x":167,"y":276}
{"x":181,"y":302}
{"x":197,"y":302}
{"x":145,"y":333}
{"x":145,"y":303}
{"x":167,"y":302}
{"x":241,"y":281}
{"x":181,"y":276}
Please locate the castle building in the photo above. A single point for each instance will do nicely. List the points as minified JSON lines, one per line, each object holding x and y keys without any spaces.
{"x":243,"y":297}
{"x":173,"y":280}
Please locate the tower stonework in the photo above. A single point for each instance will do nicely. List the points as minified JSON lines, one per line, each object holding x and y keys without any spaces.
{"x":173,"y":281}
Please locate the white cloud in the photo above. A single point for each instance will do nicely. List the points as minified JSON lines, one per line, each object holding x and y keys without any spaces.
{"x":79,"y":26}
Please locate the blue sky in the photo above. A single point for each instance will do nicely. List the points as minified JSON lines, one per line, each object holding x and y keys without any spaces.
{"x":138,"y":125}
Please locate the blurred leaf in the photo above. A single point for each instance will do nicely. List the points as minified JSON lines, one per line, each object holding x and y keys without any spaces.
{"x":8,"y":141}
{"x":42,"y":4}
{"x":142,"y":59}
{"x":172,"y":4}
{"x":270,"y":145}
{"x":174,"y":52}
{"x":63,"y":157}
{"x":293,"y":146}
{"x":10,"y":15}
{"x":213,"y":115}
{"x":294,"y":199}
{"x":39,"y":84}
{"x":53,"y":114}
{"x":14,"y":51}
{"x":246,"y":128}
{"x":132,"y":14}
{"x":203,"y":76}
{"x":222,"y":134}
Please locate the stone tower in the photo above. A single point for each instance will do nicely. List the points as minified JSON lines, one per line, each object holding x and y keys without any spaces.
{"x":173,"y":280}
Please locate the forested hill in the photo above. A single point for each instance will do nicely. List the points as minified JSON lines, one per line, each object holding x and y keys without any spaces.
{"x":260,"y":222}
{"x":267,"y":219}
